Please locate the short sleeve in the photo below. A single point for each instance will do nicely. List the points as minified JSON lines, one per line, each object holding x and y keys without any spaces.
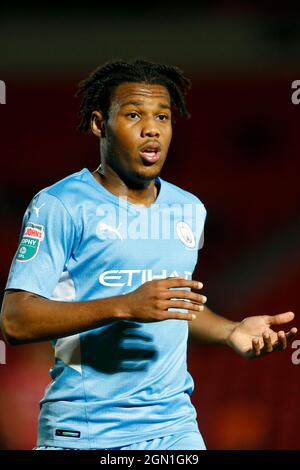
{"x":202,"y":217}
{"x":45,"y":245}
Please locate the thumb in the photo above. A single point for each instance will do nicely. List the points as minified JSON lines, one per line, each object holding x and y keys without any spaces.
{"x":281,"y":318}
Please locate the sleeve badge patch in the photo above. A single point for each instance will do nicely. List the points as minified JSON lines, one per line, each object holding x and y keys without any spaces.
{"x":30,"y":242}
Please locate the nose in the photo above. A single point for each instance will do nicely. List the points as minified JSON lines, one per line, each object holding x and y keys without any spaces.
{"x":150,"y":129}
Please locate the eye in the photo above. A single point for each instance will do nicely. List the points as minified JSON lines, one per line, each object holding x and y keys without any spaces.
{"x":163,"y":117}
{"x":132,"y":115}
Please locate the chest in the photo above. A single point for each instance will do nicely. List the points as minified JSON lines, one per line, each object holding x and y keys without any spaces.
{"x":123,"y":247}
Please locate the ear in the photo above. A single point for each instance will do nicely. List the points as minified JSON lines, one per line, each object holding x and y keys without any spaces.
{"x":97,"y":124}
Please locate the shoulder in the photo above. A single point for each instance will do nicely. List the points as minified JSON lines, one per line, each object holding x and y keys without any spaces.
{"x":180,"y":195}
{"x":65,"y":191}
{"x":68,"y":185}
{"x":58,"y":203}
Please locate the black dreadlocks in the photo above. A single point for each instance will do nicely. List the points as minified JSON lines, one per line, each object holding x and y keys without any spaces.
{"x":97,"y":88}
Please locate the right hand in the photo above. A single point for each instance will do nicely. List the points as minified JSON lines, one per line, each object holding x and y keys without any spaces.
{"x":150,"y":302}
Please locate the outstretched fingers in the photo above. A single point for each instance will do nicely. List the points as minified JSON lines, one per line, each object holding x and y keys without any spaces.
{"x":284,"y":338}
{"x":281,"y":318}
{"x":185,"y":294}
{"x":272,"y":343}
{"x":170,"y":282}
{"x":176,"y":315}
{"x":268,"y":346}
{"x":256,"y":347}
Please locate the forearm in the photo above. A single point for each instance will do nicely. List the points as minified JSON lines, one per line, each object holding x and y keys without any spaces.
{"x":210,"y":327}
{"x":34,"y":318}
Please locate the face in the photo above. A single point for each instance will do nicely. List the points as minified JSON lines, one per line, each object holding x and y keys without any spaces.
{"x":136,"y":136}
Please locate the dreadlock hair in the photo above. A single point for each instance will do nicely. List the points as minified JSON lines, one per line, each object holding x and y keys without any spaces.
{"x":96,"y":90}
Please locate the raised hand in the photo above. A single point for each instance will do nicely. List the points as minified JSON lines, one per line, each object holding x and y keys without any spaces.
{"x":151,"y":301}
{"x":254,"y":337}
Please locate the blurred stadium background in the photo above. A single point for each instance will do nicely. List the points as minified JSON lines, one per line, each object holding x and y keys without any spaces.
{"x":239,"y":153}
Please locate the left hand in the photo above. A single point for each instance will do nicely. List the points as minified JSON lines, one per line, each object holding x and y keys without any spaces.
{"x":254,"y":337}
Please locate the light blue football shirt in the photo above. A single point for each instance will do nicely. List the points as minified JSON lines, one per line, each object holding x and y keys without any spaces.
{"x":126,"y":381}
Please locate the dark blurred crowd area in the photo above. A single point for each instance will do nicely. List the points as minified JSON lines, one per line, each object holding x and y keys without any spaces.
{"x":239,"y":152}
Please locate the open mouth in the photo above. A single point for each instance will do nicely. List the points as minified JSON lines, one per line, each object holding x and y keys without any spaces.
{"x":150,"y":156}
{"x":150,"y":153}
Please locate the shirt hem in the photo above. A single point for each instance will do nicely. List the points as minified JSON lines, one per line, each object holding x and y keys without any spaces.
{"x":105,"y":444}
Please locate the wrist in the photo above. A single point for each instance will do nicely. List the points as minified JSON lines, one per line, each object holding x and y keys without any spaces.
{"x":122,"y":307}
{"x":229,"y":330}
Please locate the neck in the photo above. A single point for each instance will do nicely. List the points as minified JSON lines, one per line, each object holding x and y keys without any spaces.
{"x":144,"y":194}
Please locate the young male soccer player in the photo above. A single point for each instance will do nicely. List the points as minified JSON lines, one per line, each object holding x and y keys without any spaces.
{"x":104,"y":270}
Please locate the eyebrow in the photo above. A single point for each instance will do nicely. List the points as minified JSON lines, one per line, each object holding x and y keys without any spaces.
{"x":140,"y":103}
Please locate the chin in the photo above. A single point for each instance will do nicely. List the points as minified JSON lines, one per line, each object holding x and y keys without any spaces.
{"x":149,"y":173}
{"x":140,"y":178}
